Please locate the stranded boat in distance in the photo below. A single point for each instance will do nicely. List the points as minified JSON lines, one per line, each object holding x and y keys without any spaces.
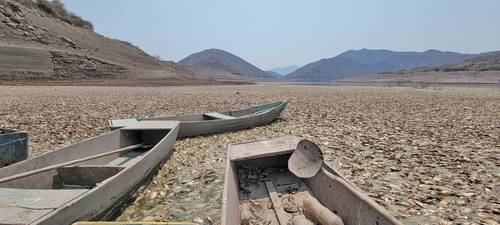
{"x":217,"y":122}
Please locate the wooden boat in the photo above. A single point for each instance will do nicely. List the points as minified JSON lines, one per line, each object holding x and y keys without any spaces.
{"x":85,"y":181}
{"x":13,"y":146}
{"x":257,"y":177}
{"x":217,"y":122}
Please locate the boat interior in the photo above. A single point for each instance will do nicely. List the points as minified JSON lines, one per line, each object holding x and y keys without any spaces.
{"x":58,"y":177}
{"x":88,"y":170}
{"x":260,"y":189}
{"x":262,"y":179}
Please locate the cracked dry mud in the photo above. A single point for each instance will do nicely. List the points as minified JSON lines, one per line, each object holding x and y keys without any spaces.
{"x":429,"y":156}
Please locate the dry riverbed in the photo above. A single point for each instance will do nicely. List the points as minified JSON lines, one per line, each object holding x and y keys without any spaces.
{"x":427,"y":155}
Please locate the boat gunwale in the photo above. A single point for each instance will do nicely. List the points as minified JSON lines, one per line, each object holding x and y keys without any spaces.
{"x":249,"y":115}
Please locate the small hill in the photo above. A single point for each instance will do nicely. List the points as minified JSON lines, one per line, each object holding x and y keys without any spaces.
{"x":222,"y":60}
{"x":366,"y":61}
{"x":283,"y":71}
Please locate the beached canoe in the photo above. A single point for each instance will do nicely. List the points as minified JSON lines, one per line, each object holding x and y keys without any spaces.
{"x":257,"y":176}
{"x":13,"y":146}
{"x":217,"y":122}
{"x":85,"y":181}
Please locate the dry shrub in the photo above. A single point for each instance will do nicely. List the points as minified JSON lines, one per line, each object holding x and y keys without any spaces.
{"x":56,"y":9}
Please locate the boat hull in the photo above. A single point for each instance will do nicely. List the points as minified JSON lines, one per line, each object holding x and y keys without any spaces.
{"x":195,"y":125}
{"x":191,"y":129}
{"x":105,"y":198}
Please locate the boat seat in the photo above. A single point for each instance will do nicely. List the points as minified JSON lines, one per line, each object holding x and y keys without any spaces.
{"x":127,"y":159}
{"x":217,"y":115}
{"x":88,"y":176}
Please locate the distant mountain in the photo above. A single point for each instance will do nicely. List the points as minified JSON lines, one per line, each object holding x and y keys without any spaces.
{"x":222,"y":60}
{"x":283,"y":71}
{"x":274,"y":74}
{"x":366,"y":61}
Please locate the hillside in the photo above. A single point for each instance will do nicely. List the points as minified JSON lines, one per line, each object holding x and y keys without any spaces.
{"x":481,"y":70}
{"x":41,"y":41}
{"x":365,"y":61}
{"x":222,"y":60}
{"x":490,"y":62}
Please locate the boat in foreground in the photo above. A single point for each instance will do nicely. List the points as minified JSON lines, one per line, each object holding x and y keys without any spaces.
{"x":87,"y":180}
{"x":260,"y":189}
{"x":13,"y":146}
{"x":217,"y":122}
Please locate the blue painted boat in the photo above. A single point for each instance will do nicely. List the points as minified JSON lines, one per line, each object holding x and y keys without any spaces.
{"x":13,"y":146}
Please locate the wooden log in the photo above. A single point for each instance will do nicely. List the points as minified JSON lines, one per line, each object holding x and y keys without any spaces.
{"x":320,"y":213}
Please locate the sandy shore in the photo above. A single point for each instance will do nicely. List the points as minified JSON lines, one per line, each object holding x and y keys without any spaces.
{"x":426,"y":155}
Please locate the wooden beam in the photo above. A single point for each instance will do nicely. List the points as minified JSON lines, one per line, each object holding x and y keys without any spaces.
{"x":278,"y":208}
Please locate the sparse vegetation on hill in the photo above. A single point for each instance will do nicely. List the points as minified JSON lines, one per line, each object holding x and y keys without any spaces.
{"x":56,"y":8}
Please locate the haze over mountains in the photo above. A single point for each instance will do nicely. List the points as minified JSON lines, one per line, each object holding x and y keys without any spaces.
{"x":283,"y":71}
{"x":366,"y":61}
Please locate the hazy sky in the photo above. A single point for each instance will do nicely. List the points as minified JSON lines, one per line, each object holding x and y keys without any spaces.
{"x":278,"y":33}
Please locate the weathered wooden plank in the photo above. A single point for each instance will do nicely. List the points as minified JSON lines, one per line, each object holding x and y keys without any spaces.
{"x":152,"y":125}
{"x":218,"y":115}
{"x":277,"y":146}
{"x":23,"y":206}
{"x":278,"y":208}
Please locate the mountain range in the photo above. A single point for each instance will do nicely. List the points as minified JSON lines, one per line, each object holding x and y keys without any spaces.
{"x":366,"y":61}
{"x":40,"y":40}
